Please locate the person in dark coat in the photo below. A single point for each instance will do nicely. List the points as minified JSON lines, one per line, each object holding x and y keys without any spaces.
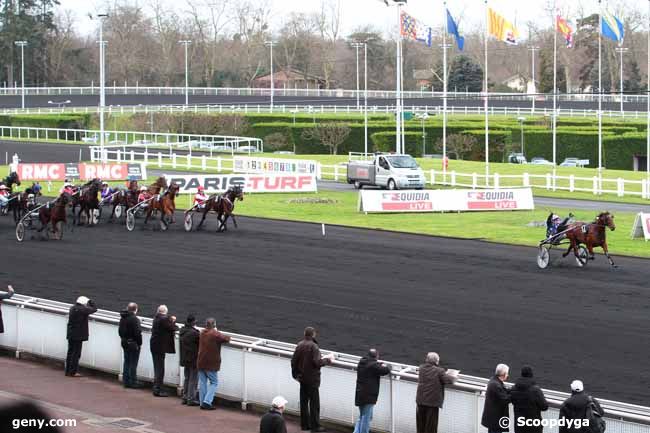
{"x":369,"y":372}
{"x":306,"y":363}
{"x":497,"y":398}
{"x":272,"y":421}
{"x":161,"y":343}
{"x":528,"y":402}
{"x":189,"y":340}
{"x":574,"y":408}
{"x":5,"y":295}
{"x":77,"y":333}
{"x":209,"y":362}
{"x":430,"y":393}
{"x":131,"y":342}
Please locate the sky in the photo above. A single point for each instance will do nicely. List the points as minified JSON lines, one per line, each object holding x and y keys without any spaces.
{"x":357,"y":13}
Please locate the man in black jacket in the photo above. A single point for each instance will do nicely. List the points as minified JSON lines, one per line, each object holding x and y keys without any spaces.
{"x":528,"y":402}
{"x":305,"y":368}
{"x":77,"y":333}
{"x":161,"y":343}
{"x":369,"y":372}
{"x":5,"y":295}
{"x":272,"y":421}
{"x":189,"y":340}
{"x":431,"y":392}
{"x":497,"y":398}
{"x":131,"y":341}
{"x":574,"y":409}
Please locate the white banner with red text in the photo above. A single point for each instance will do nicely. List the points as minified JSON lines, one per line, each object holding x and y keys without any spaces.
{"x":81,"y":171}
{"x":446,"y":200}
{"x":219,"y":183}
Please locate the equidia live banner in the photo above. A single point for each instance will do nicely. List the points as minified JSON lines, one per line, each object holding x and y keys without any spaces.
{"x":82,"y":171}
{"x":446,"y":200}
{"x":250,"y":182}
{"x":246,"y":164}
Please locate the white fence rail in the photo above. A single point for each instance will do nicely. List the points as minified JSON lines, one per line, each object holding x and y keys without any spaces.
{"x":254,"y":370}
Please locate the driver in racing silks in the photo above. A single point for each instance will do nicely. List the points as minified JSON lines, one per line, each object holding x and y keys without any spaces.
{"x":555,"y":224}
{"x":106,"y":193}
{"x":144,"y":194}
{"x":200,"y":197}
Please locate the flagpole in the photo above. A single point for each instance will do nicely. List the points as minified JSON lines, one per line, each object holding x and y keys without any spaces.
{"x":554,"y":117}
{"x":600,"y":96}
{"x":398,"y":95}
{"x":485,"y":73}
{"x":647,"y":150}
{"x":444,"y":94}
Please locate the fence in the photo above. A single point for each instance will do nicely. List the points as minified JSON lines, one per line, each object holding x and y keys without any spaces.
{"x":254,"y":370}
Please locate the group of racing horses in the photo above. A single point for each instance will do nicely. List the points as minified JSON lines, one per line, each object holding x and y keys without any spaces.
{"x":159,"y":198}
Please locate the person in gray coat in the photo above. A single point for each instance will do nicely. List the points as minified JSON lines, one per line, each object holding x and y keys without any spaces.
{"x":5,"y":295}
{"x":431,"y":392}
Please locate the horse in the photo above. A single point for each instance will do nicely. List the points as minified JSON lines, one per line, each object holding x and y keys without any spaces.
{"x":19,"y":202}
{"x":11,"y":180}
{"x":592,"y":235}
{"x":166,"y":205}
{"x":87,"y":201}
{"x":125,"y":197}
{"x":223,"y":205}
{"x":55,"y":214}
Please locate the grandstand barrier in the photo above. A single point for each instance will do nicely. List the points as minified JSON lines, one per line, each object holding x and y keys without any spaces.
{"x":254,"y":370}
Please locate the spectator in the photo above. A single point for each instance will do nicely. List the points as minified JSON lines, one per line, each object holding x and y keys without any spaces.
{"x":161,"y":343}
{"x":431,"y":392}
{"x":305,"y":368}
{"x":5,"y":295}
{"x":209,"y":363}
{"x":574,"y":410}
{"x":528,"y":401}
{"x":189,"y":339}
{"x":131,"y":341}
{"x":497,"y":397}
{"x":369,"y":371}
{"x":77,"y":333}
{"x":272,"y":421}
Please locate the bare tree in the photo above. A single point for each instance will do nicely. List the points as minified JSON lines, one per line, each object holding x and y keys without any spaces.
{"x":458,"y":144}
{"x":330,"y":134}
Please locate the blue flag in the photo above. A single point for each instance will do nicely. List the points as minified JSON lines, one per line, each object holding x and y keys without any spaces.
{"x":611,"y":27}
{"x":452,"y":29}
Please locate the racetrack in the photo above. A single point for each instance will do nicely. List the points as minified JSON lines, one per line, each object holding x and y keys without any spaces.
{"x":475,"y":303}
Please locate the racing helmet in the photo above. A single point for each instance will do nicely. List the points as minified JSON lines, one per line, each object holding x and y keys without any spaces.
{"x":556,"y":218}
{"x":144,"y":188}
{"x":201,"y":188}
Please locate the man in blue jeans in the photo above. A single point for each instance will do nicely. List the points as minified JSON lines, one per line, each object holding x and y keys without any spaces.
{"x":369,"y":372}
{"x":209,"y":363}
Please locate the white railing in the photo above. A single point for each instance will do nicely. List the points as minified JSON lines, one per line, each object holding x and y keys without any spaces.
{"x":254,"y":370}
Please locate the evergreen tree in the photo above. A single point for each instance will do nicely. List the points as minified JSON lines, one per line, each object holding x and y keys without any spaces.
{"x":546,"y":73}
{"x":465,"y":73}
{"x":633,"y":83}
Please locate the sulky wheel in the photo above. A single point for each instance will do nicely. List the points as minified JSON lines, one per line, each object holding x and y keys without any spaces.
{"x":188,"y":223}
{"x":118,"y":211}
{"x":543,"y":256}
{"x":95,"y":216}
{"x":130,"y":221}
{"x":20,"y":232}
{"x":583,"y":256}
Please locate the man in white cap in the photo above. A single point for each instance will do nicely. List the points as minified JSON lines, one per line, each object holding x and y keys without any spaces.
{"x":573,"y":411}
{"x":77,"y":333}
{"x":272,"y":421}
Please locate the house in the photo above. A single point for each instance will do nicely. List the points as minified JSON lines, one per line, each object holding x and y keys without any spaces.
{"x":290,"y":78}
{"x":423,"y":78}
{"x":518,"y":83}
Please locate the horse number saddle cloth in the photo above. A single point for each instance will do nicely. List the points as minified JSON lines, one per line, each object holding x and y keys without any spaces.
{"x":584,"y":228}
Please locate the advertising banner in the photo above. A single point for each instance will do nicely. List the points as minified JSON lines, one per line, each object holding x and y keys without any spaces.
{"x":250,"y":182}
{"x":641,"y":228}
{"x":246,"y":164}
{"x":82,"y":171}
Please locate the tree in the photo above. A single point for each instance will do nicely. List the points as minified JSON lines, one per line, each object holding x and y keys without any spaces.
{"x":458,"y":144}
{"x":633,"y":83}
{"x":330,"y":134}
{"x":465,"y":74}
{"x":546,"y":73}
{"x":231,"y":124}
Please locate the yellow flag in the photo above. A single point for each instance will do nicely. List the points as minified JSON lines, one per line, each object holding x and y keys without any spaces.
{"x":501,"y":28}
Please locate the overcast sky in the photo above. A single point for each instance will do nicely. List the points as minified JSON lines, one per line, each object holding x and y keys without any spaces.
{"x":356,"y":13}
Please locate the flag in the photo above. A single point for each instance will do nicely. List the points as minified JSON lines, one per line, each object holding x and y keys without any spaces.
{"x":612,"y":27}
{"x":415,"y":30}
{"x":566,"y":29}
{"x":452,"y":28}
{"x":501,"y":28}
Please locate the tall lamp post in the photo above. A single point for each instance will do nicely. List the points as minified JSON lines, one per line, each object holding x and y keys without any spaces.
{"x":423,"y":118}
{"x":102,"y":82}
{"x":22,"y":44}
{"x":521,"y":129}
{"x":621,"y":51}
{"x":271,"y":44}
{"x":532,"y":73}
{"x":186,"y":43}
{"x":357,"y":45}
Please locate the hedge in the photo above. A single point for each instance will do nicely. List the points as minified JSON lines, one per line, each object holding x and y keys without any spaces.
{"x":620,"y":150}
{"x":578,"y":144}
{"x":61,"y":121}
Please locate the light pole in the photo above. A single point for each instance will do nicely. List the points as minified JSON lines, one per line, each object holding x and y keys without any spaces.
{"x":102,"y":81}
{"x":271,"y":44}
{"x":423,"y":117}
{"x":521,"y":128}
{"x":186,"y":43}
{"x":532,"y":73}
{"x":22,"y":44}
{"x":358,"y":45}
{"x":621,"y":50}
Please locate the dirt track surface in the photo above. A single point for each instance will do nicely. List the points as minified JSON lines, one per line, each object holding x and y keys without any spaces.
{"x":475,"y":303}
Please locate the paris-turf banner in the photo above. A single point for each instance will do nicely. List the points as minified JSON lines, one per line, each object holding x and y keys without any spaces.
{"x":218,"y":183}
{"x":446,"y":200}
{"x":81,"y":171}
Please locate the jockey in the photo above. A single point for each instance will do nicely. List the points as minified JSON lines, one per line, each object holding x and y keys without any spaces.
{"x":144,"y":194}
{"x":4,"y":195}
{"x":106,"y":192}
{"x":555,"y":224}
{"x":67,"y":188}
{"x":200,"y":198}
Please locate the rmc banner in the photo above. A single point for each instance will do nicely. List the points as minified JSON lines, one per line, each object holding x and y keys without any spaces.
{"x":250,"y":182}
{"x":82,"y":171}
{"x":245,"y":164}
{"x":446,"y":200}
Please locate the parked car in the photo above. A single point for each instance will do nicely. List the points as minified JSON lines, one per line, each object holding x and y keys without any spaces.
{"x":391,"y":171}
{"x":517,"y":158}
{"x":222,"y":148}
{"x":540,"y":161}
{"x":90,"y":139}
{"x":283,"y":152}
{"x":247,"y":149}
{"x":574,"y":162}
{"x":143,"y":143}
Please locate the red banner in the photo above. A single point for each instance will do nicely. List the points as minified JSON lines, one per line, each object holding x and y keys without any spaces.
{"x":54,"y":172}
{"x":41,"y":171}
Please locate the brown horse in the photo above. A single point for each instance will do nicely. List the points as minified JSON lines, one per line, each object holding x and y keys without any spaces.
{"x":166,"y":205}
{"x":55,"y":214}
{"x":592,"y":235}
{"x":125,"y":197}
{"x":223,"y":205}
{"x":87,"y":201}
{"x":20,"y":201}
